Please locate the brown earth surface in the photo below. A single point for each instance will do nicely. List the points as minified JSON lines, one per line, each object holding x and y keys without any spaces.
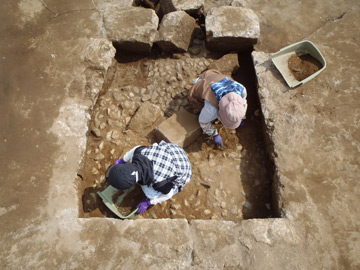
{"x":303,"y":66}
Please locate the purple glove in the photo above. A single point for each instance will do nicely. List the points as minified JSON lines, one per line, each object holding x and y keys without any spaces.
{"x":242,"y":124}
{"x":218,"y":140}
{"x":143,"y":206}
{"x":119,"y":161}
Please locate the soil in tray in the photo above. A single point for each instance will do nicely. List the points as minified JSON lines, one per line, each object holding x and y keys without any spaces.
{"x":130,"y":201}
{"x":303,"y":66}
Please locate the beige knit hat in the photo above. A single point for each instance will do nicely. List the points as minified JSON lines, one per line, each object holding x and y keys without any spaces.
{"x":232,"y":110}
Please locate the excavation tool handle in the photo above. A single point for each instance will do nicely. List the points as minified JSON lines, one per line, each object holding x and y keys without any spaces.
{"x":107,"y":194}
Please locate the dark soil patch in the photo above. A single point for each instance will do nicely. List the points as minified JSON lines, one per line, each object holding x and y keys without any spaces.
{"x":130,"y":201}
{"x":303,"y":66}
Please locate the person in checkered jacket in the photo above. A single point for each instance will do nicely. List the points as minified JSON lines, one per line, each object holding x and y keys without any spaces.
{"x":162,"y":170}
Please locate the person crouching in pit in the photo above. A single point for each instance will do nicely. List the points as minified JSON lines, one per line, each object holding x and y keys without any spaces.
{"x":219,"y":97}
{"x":162,"y":170}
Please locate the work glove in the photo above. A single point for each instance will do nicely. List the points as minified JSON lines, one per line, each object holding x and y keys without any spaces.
{"x":119,"y":161}
{"x":218,"y":140}
{"x":143,"y":206}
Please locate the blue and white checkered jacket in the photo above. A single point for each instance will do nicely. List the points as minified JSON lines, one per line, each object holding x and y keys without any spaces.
{"x":168,"y":160}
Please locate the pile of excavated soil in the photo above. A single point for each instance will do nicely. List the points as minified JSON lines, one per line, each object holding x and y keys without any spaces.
{"x":303,"y":66}
{"x":227,"y":184}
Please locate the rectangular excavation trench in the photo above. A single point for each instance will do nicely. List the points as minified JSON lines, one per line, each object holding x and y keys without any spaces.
{"x":231,"y":184}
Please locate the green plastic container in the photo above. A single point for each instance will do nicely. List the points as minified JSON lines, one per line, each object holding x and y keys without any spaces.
{"x":107,"y":194}
{"x":281,"y":58}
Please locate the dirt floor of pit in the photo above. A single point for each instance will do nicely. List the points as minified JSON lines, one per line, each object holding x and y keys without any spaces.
{"x":230,"y":184}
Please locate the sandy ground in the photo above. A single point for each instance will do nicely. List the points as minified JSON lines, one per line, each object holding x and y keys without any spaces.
{"x":47,"y":94}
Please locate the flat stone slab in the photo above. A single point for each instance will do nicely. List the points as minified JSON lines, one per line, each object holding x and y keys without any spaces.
{"x":173,"y":38}
{"x":227,"y":65}
{"x":145,"y":117}
{"x":231,"y":28}
{"x":181,"y":128}
{"x":132,"y":29}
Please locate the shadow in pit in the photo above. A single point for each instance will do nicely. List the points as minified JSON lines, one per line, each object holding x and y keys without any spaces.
{"x":91,"y":201}
{"x":257,"y":170}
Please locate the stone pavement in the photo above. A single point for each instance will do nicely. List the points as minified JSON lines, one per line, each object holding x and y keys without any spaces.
{"x":53,"y":63}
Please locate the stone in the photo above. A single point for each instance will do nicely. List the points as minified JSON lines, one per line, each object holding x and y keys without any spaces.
{"x":96,"y":132}
{"x":247,"y":204}
{"x":98,"y":53}
{"x":113,"y":114}
{"x":231,"y":29}
{"x":207,"y":212}
{"x":99,"y":156}
{"x":227,"y":65}
{"x":181,"y":128}
{"x":145,"y":118}
{"x":94,"y":171}
{"x":115,"y":135}
{"x":132,"y":29}
{"x":193,"y":7}
{"x":175,"y":206}
{"x":145,"y":98}
{"x":173,"y":38}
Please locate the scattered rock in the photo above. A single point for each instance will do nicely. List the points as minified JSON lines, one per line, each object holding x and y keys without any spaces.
{"x":115,"y":135}
{"x":94,"y":171}
{"x":96,"y":132}
{"x":145,"y":98}
{"x":247,"y":204}
{"x":207,"y":212}
{"x":186,"y":203}
{"x":116,"y":96}
{"x":101,"y":145}
{"x":175,"y":206}
{"x":99,"y":156}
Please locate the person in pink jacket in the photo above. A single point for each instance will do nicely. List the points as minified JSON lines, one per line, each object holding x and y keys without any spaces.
{"x":219,"y":97}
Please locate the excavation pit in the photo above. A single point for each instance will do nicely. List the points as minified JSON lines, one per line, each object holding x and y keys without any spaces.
{"x":230,"y":184}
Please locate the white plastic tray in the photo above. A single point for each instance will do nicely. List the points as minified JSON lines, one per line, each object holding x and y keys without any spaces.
{"x":281,"y":58}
